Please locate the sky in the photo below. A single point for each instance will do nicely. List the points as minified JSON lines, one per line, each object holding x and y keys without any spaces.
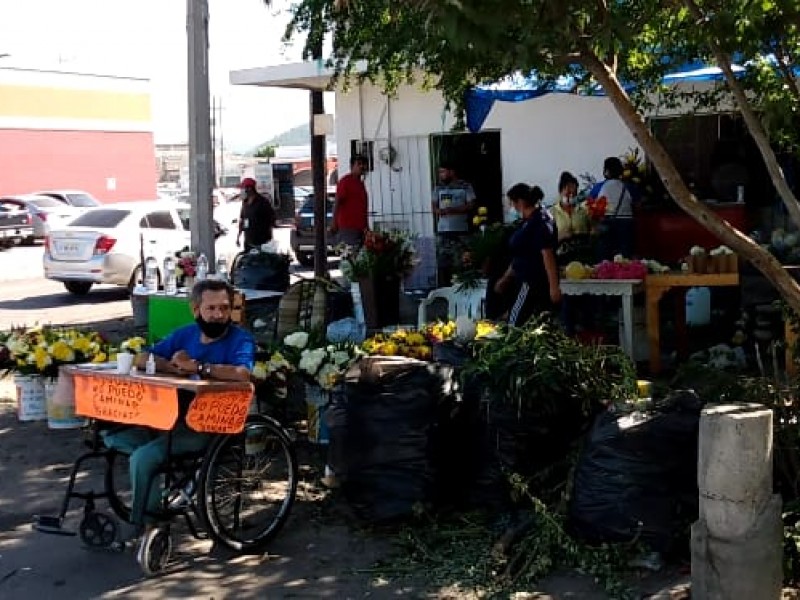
{"x":147,"y":38}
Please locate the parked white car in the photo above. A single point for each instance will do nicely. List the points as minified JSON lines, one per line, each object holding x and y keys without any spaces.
{"x":76,"y":198}
{"x":105,"y":244}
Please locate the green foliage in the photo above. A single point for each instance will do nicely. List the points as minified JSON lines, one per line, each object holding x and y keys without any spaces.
{"x":265,"y":151}
{"x":541,"y":371}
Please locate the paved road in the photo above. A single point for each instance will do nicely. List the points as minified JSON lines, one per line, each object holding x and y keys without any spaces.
{"x":27,"y":298}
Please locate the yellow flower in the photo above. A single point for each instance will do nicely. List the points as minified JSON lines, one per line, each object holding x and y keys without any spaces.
{"x":415,"y":339}
{"x":260,"y":370}
{"x":42,"y":358}
{"x":82,"y":344}
{"x":483,"y":211}
{"x":100,"y":357}
{"x":389,"y":349}
{"x":62,"y":352}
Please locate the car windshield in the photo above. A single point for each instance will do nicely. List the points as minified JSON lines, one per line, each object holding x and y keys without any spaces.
{"x":82,"y":200}
{"x":106,"y":218}
{"x":46,"y":203}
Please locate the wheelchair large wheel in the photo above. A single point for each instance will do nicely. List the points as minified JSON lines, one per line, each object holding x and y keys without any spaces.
{"x":247,"y":485}
{"x":118,"y":485}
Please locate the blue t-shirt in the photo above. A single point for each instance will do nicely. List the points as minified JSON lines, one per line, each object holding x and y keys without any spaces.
{"x":237,"y":347}
{"x":537,"y":232}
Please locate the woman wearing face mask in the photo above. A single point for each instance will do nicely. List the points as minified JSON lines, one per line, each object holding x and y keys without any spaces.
{"x":572,"y":222}
{"x":533,"y":261}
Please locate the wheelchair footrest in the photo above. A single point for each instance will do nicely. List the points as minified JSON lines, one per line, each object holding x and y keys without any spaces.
{"x":51,"y":525}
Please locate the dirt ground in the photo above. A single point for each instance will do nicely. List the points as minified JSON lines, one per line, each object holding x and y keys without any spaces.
{"x":323,"y":552}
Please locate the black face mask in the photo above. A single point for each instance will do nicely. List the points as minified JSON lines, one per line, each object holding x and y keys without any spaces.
{"x":211,"y":329}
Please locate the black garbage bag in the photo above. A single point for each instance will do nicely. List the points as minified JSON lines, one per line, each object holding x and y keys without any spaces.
{"x":381,"y":439}
{"x":637,"y":476}
{"x":261,"y":271}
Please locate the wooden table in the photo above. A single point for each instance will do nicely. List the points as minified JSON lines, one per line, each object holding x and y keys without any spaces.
{"x":658,"y":285}
{"x":152,"y":400}
{"x":624,"y":288}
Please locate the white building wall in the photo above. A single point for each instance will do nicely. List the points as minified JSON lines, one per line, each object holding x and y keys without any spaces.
{"x":540,"y":138}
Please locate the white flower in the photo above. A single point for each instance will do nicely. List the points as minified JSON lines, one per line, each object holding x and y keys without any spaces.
{"x":311,"y":360}
{"x":340,"y":358}
{"x":298,"y":339}
{"x":259,"y":323}
{"x":328,"y":376}
{"x":697,"y":251}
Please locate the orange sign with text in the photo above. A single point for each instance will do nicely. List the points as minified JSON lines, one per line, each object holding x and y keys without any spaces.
{"x":223,"y":411}
{"x":125,"y":400}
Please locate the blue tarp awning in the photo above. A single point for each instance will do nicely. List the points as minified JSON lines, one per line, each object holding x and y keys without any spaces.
{"x":518,"y":88}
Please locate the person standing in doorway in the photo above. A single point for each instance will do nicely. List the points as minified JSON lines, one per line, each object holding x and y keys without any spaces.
{"x":257,"y":217}
{"x":350,"y":210}
{"x":453,"y":201}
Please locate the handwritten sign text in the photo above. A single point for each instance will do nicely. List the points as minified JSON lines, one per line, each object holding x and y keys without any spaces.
{"x":219,"y":411}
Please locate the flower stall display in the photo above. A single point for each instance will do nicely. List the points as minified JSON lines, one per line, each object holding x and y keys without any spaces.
{"x":271,"y":373}
{"x":35,"y":356}
{"x":620,"y":268}
{"x":718,"y":260}
{"x":481,"y":252}
{"x":379,"y":265}
{"x":133,"y":345}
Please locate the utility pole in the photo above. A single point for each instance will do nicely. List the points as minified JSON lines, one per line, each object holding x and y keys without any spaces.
{"x":200,"y":153}
{"x":318,"y":168}
{"x":221,"y":147}
{"x":214,"y":140}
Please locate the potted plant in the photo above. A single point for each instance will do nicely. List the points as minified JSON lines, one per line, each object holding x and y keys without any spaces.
{"x":378,"y":267}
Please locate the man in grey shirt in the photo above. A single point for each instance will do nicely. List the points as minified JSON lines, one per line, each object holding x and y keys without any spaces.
{"x":452,"y":203}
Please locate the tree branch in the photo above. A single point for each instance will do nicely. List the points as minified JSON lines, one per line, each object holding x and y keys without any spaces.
{"x":673,"y":182}
{"x":753,"y":123}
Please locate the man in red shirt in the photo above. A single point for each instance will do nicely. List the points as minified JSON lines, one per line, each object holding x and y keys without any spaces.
{"x":350,"y":209}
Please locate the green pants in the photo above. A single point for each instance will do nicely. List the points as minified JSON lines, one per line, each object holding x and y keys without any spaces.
{"x":148,"y":453}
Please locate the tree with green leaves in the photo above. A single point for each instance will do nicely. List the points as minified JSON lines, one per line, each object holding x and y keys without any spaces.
{"x":457,"y":44}
{"x":265,"y":151}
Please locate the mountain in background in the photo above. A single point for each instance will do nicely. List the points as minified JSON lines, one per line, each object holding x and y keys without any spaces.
{"x":296,"y":136}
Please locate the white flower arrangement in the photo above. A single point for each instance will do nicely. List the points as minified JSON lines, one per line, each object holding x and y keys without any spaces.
{"x":298,"y":339}
{"x":697,"y":251}
{"x":328,"y":365}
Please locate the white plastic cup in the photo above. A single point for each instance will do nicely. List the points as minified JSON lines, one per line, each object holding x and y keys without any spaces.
{"x":124,"y":363}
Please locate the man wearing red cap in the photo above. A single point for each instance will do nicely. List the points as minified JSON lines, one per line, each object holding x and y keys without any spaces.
{"x":257,"y":217}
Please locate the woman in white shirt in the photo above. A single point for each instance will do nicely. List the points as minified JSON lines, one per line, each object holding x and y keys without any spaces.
{"x":618,"y":232}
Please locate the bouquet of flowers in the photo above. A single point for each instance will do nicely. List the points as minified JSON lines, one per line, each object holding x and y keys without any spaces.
{"x":41,"y":350}
{"x":403,"y":342}
{"x":481,"y":248}
{"x":133,"y":345}
{"x":324,"y":365}
{"x":274,"y":373}
{"x":384,"y":254}
{"x":186,"y":264}
{"x":596,"y":208}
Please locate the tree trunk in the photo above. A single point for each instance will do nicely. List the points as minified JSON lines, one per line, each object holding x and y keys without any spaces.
{"x":738,"y":241}
{"x":753,"y":123}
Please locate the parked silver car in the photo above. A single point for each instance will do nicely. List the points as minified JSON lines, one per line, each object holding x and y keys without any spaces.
{"x":105,"y":244}
{"x":46,"y":213}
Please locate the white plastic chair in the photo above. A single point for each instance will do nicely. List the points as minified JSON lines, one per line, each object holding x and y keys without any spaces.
{"x":467,"y":302}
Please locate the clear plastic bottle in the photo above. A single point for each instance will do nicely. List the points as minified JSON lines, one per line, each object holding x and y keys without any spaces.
{"x":222,"y":268}
{"x":202,"y":267}
{"x":170,"y":278}
{"x":151,"y":275}
{"x":150,"y":365}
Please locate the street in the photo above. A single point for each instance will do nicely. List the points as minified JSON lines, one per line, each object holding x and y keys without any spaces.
{"x":27,"y":298}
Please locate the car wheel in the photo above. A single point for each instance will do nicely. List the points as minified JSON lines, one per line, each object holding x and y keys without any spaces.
{"x":79,"y":288}
{"x":306,"y":259}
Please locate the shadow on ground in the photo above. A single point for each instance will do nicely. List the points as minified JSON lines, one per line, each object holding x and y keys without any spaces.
{"x":98,"y":296}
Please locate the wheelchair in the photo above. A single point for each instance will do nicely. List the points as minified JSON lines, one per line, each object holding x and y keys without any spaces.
{"x":240,"y":490}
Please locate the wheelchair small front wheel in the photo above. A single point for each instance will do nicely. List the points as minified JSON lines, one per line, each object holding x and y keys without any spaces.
{"x":97,"y":530}
{"x":154,"y":551}
{"x":247,"y":485}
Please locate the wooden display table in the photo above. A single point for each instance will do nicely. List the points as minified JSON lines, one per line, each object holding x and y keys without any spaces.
{"x":658,"y":285}
{"x":152,"y":400}
{"x":624,"y":288}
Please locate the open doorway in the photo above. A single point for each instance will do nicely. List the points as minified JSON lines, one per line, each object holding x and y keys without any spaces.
{"x":477,"y":160}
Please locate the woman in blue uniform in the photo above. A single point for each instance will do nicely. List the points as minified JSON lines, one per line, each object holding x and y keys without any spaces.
{"x":533,"y":262}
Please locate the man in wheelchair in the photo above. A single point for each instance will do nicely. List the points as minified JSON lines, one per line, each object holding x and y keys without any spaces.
{"x":211,"y":348}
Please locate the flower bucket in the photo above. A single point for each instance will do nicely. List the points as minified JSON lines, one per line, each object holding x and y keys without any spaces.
{"x":60,"y":396}
{"x":31,"y":404}
{"x":317,"y":401}
{"x":380,"y":298}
